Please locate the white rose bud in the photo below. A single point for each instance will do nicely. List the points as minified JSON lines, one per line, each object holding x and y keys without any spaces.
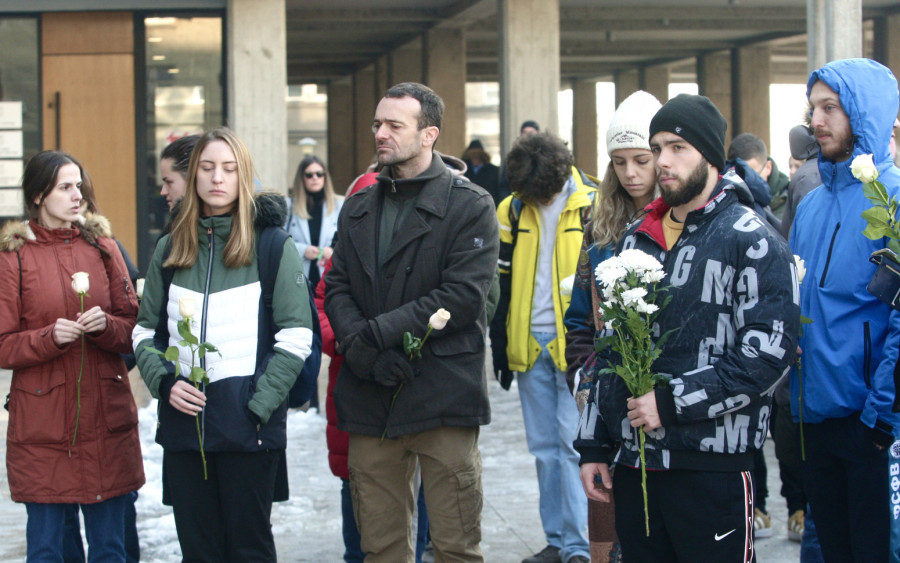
{"x":439,"y":319}
{"x":139,"y":288}
{"x":186,"y":307}
{"x":863,"y":169}
{"x":801,"y":268}
{"x":566,"y":285}
{"x":80,"y":282}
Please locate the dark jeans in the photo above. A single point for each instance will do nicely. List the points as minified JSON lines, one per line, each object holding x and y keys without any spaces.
{"x":225,"y":518}
{"x":352,"y":551}
{"x":787,"y":449}
{"x":846,"y":480}
{"x":103,"y":524}
{"x":694,"y":515}
{"x":760,"y":476}
{"x":73,"y":548}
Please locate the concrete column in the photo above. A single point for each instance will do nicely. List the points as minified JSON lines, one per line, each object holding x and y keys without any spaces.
{"x":529,"y":66}
{"x":382,"y":74}
{"x":750,"y":73}
{"x":584,"y":125}
{"x":627,"y":83}
{"x":655,"y":80}
{"x":257,"y":84}
{"x":364,"y":101}
{"x":833,"y":31}
{"x":406,"y":63}
{"x":342,"y":134}
{"x":714,"y":82}
{"x":887,"y":41}
{"x":445,"y":73}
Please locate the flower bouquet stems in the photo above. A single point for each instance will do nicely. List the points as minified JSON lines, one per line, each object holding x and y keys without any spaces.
{"x":631,"y":302}
{"x":412,"y":345}
{"x":198,"y":375}
{"x":81,"y":285}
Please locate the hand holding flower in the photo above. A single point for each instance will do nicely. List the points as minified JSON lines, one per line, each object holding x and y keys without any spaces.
{"x":412,"y":345}
{"x":643,"y":412}
{"x":80,"y":285}
{"x":66,"y":331}
{"x":92,"y":320}
{"x":186,"y":398}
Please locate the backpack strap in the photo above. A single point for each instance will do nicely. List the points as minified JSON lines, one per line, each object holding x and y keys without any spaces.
{"x":19,"y":258}
{"x":269,"y":248}
{"x":515,"y":211}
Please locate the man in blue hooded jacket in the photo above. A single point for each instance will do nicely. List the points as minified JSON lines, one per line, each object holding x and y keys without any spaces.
{"x":847,"y":383}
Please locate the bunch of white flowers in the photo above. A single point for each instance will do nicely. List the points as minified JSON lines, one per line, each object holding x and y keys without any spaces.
{"x":625,"y":278}
{"x":631,"y":303}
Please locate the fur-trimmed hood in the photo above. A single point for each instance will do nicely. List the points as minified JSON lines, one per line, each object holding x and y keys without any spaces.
{"x":14,"y":233}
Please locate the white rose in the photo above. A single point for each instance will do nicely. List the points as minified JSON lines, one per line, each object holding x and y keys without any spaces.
{"x":439,"y":319}
{"x":863,"y":169}
{"x":186,"y":307}
{"x":801,"y":269}
{"x":80,"y":282}
{"x":139,"y":288}
{"x":566,"y":285}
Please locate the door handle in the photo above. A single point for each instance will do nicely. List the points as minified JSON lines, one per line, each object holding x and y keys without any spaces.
{"x":54,"y":105}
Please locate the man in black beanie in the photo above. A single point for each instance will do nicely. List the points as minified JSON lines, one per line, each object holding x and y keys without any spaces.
{"x":733,"y":321}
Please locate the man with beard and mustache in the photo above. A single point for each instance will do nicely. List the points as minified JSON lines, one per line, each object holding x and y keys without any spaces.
{"x":420,"y":239}
{"x":849,"y":396}
{"x":734,"y":323}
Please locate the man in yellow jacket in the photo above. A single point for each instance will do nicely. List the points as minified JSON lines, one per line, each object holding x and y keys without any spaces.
{"x":541,"y":228}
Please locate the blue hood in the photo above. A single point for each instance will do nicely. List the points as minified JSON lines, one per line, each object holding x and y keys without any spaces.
{"x":868,"y":93}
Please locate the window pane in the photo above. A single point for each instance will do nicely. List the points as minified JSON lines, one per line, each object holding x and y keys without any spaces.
{"x":20,"y":136}
{"x":184,"y":95}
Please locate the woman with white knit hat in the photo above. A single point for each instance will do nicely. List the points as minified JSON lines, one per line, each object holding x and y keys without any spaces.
{"x":629,"y":185}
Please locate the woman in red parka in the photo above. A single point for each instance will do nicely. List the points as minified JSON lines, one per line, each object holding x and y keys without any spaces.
{"x":69,"y":442}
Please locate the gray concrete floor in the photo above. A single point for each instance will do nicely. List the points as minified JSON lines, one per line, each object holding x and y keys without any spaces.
{"x":308,"y":527}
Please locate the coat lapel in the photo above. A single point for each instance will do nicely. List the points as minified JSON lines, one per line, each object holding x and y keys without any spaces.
{"x":362,"y":228}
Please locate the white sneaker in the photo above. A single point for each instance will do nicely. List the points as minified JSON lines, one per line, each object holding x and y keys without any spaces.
{"x":795,"y":526}
{"x":762,"y":524}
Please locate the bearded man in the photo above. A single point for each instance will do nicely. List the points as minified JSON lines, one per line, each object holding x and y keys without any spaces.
{"x":731,"y":279}
{"x":849,"y":379}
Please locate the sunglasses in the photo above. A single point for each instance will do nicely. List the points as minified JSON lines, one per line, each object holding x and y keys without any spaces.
{"x":316,"y":174}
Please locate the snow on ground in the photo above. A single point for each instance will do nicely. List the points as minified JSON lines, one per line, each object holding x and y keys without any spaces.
{"x":307,"y":528}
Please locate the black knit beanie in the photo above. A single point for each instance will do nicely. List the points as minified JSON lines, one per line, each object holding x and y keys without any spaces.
{"x":696,"y":120}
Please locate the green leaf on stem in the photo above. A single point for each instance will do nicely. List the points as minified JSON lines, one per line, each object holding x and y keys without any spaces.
{"x":171,"y":353}
{"x":197,"y":374}
{"x":184,"y":330}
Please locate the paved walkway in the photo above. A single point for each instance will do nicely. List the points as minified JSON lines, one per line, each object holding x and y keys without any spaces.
{"x":308,"y":527}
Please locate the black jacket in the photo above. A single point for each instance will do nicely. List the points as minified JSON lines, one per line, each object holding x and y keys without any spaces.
{"x":444,"y":255}
{"x":735,"y":316}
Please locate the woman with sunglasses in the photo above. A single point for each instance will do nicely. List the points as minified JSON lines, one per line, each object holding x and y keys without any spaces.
{"x":314,"y":215}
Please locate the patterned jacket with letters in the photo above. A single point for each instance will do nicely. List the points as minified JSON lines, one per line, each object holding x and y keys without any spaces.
{"x":735,"y":314}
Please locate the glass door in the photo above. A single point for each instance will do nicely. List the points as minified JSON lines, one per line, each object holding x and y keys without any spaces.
{"x":184,"y":95}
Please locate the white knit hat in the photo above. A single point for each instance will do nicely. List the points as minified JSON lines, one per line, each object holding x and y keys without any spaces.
{"x":630,"y":125}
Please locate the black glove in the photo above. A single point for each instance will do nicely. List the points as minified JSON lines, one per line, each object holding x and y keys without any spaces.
{"x":501,"y":366}
{"x":360,"y":352}
{"x":392,"y":368}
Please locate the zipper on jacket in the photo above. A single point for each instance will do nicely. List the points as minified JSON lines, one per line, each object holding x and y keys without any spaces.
{"x":828,"y":259}
{"x":209,"y":266}
{"x":867,"y":355}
